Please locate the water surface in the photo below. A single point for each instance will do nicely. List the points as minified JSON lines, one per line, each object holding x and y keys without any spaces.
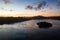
{"x":29,"y":29}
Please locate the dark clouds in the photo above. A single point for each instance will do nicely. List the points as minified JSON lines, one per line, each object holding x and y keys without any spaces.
{"x":6,"y":1}
{"x":40,"y":5}
{"x":29,"y":7}
{"x":58,"y":4}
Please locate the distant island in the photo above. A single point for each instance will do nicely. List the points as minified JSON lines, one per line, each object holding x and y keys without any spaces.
{"x":44,"y":24}
{"x":11,"y":20}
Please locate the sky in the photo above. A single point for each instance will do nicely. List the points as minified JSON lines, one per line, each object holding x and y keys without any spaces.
{"x":29,"y":8}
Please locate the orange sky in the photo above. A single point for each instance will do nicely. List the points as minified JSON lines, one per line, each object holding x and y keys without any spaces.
{"x":28,"y":13}
{"x":17,"y":8}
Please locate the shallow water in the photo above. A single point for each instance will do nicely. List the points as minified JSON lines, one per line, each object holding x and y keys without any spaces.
{"x":29,"y":29}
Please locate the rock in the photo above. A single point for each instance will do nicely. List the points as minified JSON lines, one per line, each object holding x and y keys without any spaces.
{"x":44,"y":25}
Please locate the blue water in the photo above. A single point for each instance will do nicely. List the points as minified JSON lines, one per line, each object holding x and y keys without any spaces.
{"x":29,"y":30}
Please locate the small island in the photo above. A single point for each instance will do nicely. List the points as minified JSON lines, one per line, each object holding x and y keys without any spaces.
{"x":44,"y":25}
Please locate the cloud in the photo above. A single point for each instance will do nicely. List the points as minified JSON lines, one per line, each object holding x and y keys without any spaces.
{"x":2,"y":8}
{"x":11,"y":10}
{"x":39,"y":6}
{"x":6,"y":1}
{"x":58,"y":3}
{"x":29,"y":7}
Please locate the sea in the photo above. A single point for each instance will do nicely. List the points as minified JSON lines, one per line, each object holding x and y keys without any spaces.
{"x":29,"y":30}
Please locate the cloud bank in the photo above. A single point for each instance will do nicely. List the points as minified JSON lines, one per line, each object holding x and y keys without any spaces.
{"x":40,"y":5}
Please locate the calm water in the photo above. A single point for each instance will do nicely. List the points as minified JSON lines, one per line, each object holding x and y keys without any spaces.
{"x":29,"y":29}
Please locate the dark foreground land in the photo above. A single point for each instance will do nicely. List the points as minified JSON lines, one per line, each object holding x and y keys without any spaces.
{"x":11,"y":20}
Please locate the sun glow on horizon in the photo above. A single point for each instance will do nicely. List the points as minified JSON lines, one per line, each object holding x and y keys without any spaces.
{"x":18,"y":8}
{"x":30,"y":14}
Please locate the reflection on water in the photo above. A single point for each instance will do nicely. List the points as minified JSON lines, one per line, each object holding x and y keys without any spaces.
{"x":27,"y":28}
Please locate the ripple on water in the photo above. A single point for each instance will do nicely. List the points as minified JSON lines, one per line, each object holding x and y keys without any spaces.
{"x":28,"y":28}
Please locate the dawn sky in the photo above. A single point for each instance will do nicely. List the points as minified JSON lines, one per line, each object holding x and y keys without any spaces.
{"x":29,"y":8}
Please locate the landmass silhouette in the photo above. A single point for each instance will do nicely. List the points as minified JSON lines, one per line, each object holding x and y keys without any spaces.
{"x":11,"y":20}
{"x":44,"y":24}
